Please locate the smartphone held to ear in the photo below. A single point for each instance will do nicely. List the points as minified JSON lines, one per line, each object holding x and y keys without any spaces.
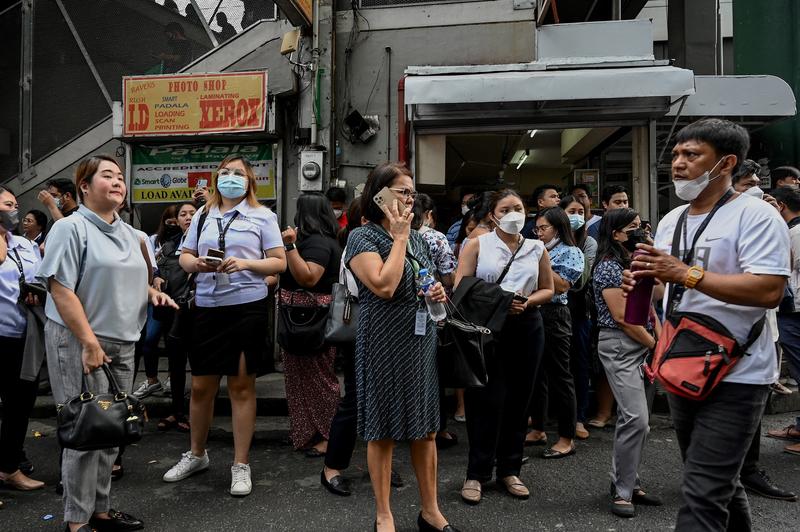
{"x":386,"y":197}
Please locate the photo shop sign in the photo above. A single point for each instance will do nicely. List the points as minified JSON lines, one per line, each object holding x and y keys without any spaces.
{"x":170,"y":173}
{"x":193,"y":104}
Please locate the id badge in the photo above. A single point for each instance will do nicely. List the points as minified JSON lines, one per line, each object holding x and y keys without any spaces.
{"x":421,"y":323}
{"x":223,"y":280}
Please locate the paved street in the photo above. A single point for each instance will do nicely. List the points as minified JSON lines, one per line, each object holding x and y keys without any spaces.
{"x":567,"y":495}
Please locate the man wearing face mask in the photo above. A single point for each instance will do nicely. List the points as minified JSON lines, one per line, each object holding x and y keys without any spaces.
{"x":337,"y":197}
{"x":746,"y":181}
{"x":737,"y":249}
{"x":59,"y":198}
{"x":452,"y":233}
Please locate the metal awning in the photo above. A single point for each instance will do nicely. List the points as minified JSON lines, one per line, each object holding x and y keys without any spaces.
{"x":754,"y":97}
{"x":588,"y":96}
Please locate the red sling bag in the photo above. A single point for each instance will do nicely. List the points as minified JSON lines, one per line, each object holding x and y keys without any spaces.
{"x":695,"y":351}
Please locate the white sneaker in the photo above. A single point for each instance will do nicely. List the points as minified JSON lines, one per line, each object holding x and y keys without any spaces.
{"x":146,"y":389}
{"x":241,"y":484}
{"x":188,"y":466}
{"x":167,"y":387}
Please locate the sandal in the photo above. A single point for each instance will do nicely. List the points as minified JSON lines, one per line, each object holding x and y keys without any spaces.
{"x":599,"y":423}
{"x":787,"y":433}
{"x":183,"y":425}
{"x":792,"y":449}
{"x":165,"y":423}
{"x":541,"y":440}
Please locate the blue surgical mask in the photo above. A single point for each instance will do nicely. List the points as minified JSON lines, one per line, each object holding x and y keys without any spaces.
{"x":576,"y":221}
{"x":232,"y":186}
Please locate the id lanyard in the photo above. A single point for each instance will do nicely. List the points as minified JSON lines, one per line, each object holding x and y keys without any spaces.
{"x":222,"y":231}
{"x":18,"y":262}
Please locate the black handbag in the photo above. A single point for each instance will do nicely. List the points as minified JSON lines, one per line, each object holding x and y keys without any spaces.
{"x":92,"y":421}
{"x":343,"y":316}
{"x":461,"y":353}
{"x":301,"y":329}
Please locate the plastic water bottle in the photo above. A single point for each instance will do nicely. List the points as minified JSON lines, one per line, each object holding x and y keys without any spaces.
{"x":437,"y":310}
{"x":637,"y":304}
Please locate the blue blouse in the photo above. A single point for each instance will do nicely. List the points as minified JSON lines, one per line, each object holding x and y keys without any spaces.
{"x":567,"y":262}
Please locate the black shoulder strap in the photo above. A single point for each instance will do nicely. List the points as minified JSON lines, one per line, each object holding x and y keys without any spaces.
{"x":508,"y":265}
{"x":200,"y":223}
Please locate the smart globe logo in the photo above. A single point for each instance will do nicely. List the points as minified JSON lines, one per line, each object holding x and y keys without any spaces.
{"x":165,"y":180}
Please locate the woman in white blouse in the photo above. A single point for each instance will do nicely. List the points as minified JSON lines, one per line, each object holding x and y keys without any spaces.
{"x":496,"y":414}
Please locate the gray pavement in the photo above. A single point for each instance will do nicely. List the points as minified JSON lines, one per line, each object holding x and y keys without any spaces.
{"x":567,"y":495}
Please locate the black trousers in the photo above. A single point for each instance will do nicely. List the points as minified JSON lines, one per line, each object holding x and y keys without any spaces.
{"x":714,"y":436}
{"x":555,"y":378}
{"x":342,"y":437}
{"x":497,"y":413}
{"x":18,"y":398}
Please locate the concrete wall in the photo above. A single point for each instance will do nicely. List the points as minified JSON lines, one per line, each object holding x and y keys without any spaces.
{"x":466,"y":33}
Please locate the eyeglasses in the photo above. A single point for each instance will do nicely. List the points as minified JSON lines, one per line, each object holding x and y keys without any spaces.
{"x":542,"y":228}
{"x":226,"y":172}
{"x":407,"y":193}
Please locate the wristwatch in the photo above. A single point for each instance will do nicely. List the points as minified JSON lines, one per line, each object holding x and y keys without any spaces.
{"x":694,"y":276}
{"x":289,"y":247}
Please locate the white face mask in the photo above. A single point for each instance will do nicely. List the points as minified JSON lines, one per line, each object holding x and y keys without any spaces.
{"x":512,"y":223}
{"x":464,"y":210}
{"x":553,"y":243}
{"x":689,"y":189}
{"x":755,"y":191}
{"x":338,"y":213}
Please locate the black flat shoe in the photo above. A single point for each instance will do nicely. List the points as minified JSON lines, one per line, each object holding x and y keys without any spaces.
{"x":397,"y":480}
{"x":645,"y":499}
{"x":337,"y":485}
{"x":313,"y":452}
{"x":425,"y":526}
{"x":622,"y":510}
{"x":445,"y":443}
{"x":117,"y":522}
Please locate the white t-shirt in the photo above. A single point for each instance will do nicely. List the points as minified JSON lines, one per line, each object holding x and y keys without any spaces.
{"x":794,"y":236}
{"x":746,"y":235}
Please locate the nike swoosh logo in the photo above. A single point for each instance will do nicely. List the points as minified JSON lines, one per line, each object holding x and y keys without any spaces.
{"x":712,"y":238}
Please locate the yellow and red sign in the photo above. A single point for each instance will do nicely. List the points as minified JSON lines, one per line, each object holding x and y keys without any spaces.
{"x":192,"y":104}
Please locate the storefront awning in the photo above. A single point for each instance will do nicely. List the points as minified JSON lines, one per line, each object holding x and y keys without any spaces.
{"x":762,"y":98}
{"x":590,"y":96}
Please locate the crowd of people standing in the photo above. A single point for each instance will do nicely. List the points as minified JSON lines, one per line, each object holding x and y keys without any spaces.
{"x":559,"y":335}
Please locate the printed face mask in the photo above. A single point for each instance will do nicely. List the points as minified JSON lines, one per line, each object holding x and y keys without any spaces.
{"x":576,"y":221}
{"x":512,"y":223}
{"x":689,"y":189}
{"x":232,"y":186}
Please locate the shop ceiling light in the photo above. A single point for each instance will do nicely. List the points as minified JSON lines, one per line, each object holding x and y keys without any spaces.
{"x":522,"y":160}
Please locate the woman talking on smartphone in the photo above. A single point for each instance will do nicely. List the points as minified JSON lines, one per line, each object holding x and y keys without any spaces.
{"x":396,"y":374}
{"x":232,"y":243}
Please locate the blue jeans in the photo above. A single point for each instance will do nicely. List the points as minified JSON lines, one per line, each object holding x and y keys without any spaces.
{"x":714,"y":436}
{"x":789,"y":338}
{"x":147,"y":346}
